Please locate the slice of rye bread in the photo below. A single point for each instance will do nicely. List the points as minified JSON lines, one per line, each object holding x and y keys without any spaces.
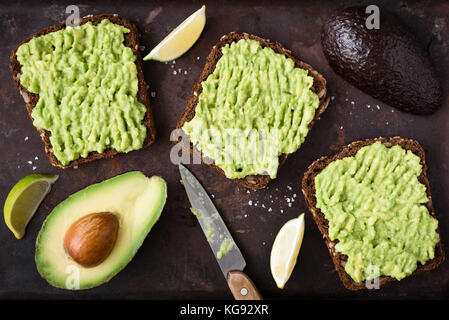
{"x":254,"y":182}
{"x":308,"y":189}
{"x":31,"y":99}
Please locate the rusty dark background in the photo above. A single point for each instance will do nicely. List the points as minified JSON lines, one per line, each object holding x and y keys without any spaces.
{"x":175,"y":260}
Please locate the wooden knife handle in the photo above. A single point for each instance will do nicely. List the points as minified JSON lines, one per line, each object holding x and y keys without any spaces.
{"x":242,"y":287}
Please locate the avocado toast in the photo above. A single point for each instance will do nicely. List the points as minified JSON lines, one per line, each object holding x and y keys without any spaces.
{"x":339,"y":259}
{"x":147,"y":123}
{"x":258,"y":181}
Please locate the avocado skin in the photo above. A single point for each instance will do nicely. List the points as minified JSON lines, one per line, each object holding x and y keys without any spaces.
{"x":386,"y":63}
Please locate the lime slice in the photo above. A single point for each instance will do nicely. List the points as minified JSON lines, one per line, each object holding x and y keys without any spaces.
{"x":181,"y":39}
{"x":24,"y":199}
{"x":285,"y":250}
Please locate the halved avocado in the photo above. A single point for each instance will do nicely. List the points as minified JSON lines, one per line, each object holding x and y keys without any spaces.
{"x":136,"y":201}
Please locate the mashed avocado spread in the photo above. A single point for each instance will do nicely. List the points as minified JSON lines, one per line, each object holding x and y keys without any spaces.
{"x":374,"y":204}
{"x":255,"y":106}
{"x":87,"y":83}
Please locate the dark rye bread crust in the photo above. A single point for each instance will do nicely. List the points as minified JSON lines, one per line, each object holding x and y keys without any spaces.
{"x":254,"y":182}
{"x":308,"y":189}
{"x":31,"y":99}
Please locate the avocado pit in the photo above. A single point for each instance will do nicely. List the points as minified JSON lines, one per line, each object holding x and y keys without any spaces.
{"x":90,"y":239}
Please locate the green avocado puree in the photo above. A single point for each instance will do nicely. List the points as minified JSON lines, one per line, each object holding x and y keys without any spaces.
{"x":373,"y":202}
{"x":225,"y":247}
{"x":87,"y":83}
{"x":255,"y":106}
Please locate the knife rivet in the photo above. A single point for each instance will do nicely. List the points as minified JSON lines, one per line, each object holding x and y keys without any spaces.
{"x":244,"y":291}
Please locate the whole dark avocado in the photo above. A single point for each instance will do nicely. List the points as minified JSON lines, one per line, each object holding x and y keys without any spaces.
{"x":387,"y":63}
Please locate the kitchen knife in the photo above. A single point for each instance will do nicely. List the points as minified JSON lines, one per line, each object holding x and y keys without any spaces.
{"x":226,"y":252}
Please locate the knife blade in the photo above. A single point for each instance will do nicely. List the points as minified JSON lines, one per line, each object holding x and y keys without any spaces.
{"x":220,"y":240}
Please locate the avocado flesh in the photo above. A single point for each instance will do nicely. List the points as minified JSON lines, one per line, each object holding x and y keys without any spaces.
{"x":135,"y":199}
{"x":386,"y":63}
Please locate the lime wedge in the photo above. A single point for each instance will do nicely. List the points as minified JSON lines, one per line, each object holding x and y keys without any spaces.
{"x":24,"y":199}
{"x":181,"y":39}
{"x":285,"y":250}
